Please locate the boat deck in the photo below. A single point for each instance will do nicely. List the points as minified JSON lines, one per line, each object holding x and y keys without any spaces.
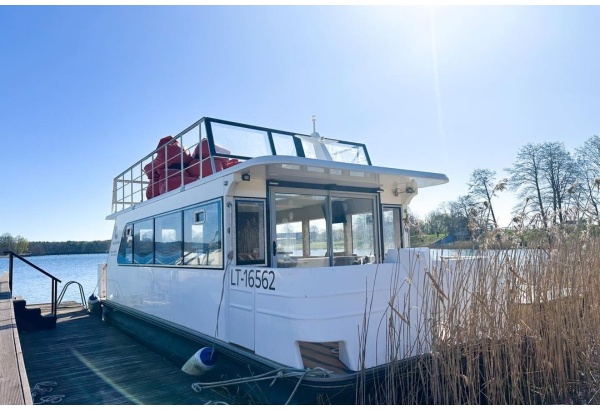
{"x":325,"y":355}
{"x":87,"y":361}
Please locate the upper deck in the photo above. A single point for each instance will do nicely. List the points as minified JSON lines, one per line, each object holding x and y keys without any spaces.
{"x":212,"y":145}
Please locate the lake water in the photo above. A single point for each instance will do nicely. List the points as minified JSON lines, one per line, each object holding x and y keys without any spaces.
{"x":35,"y":287}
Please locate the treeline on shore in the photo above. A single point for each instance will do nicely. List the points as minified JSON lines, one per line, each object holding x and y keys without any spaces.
{"x":21,"y":245}
{"x":68,"y":247}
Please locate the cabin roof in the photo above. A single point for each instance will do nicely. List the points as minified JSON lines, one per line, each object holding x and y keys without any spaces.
{"x":212,"y":146}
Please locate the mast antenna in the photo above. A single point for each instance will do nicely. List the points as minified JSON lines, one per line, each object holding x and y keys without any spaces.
{"x":315,"y":134}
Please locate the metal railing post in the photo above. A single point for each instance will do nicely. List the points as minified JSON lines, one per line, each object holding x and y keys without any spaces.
{"x":10,"y":271}
{"x":181,"y":160}
{"x":54,"y":294}
{"x":53,"y":285}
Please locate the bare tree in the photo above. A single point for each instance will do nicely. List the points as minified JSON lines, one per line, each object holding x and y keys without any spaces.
{"x":559,"y":172}
{"x":462,"y":213}
{"x":588,"y":159}
{"x":526,"y":179}
{"x":482,"y":187}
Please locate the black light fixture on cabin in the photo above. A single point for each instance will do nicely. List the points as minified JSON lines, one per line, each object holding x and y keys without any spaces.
{"x":407,"y":190}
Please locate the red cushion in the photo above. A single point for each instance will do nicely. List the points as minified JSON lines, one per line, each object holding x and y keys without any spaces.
{"x":232,"y":162}
{"x":152,"y":189}
{"x":171,"y":148}
{"x":205,"y":150}
{"x":150,"y":171}
{"x":173,"y":180}
{"x":194,"y":170}
{"x":222,"y":162}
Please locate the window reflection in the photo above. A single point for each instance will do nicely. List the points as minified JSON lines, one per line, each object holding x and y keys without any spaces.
{"x":309,"y":226}
{"x":352,"y":231}
{"x":250,"y":232}
{"x":392,"y":232}
{"x":203,"y":244}
{"x":189,"y":237}
{"x":168,"y":239}
{"x":143,"y":242}
{"x":297,"y":215}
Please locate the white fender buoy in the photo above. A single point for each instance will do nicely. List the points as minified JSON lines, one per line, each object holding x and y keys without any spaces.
{"x":93,"y":304}
{"x":201,"y":362}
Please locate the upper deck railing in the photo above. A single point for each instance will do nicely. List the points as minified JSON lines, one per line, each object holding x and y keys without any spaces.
{"x":211,"y":145}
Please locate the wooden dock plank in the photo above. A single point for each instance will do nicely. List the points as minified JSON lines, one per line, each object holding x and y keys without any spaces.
{"x":13,"y":378}
{"x":92,"y":362}
{"x":323,"y":355}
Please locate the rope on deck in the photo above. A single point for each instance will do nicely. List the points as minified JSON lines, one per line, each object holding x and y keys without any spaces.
{"x":274,"y":375}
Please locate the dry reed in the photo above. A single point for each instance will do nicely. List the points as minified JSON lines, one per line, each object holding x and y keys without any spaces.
{"x":498,"y":327}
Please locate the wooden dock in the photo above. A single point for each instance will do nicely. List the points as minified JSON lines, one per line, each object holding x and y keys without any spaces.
{"x":87,"y":361}
{"x":14,"y":387}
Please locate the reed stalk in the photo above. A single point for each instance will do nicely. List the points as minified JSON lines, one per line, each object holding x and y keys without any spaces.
{"x":517,"y":326}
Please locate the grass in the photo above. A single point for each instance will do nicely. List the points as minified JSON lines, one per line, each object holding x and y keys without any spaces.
{"x":506,"y":327}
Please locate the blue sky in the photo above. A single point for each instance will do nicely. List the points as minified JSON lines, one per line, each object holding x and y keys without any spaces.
{"x":87,"y":91}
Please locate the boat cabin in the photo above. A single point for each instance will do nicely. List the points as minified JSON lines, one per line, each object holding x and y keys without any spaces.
{"x":267,"y":236}
{"x":327,"y":205}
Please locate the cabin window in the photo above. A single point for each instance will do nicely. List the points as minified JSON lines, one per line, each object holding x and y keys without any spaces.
{"x":190,"y":237}
{"x":199,"y":217}
{"x":125,"y":255}
{"x":202,"y":233}
{"x":301,"y":230}
{"x":352,"y":230}
{"x":143,"y":242}
{"x":324,"y":228}
{"x":250,"y":232}
{"x":168,"y":239}
{"x":392,"y":227}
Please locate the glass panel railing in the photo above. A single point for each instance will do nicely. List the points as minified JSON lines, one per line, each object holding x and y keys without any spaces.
{"x":239,"y":141}
{"x":284,"y":144}
{"x":185,"y":158}
{"x":348,"y":153}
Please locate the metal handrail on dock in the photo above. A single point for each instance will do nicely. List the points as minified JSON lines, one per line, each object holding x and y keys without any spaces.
{"x":55,"y":280}
{"x":64,"y":289}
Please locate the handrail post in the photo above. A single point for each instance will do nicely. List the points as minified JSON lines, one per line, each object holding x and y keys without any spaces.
{"x":53,"y":284}
{"x":54,"y":291}
{"x":10,"y":271}
{"x":181,"y":149}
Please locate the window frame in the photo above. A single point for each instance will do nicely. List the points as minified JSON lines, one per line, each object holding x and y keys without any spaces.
{"x":131,"y":225}
{"x":263,"y":203}
{"x":331,"y":192}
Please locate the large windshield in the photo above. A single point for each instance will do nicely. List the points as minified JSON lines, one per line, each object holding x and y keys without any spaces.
{"x":243,"y":141}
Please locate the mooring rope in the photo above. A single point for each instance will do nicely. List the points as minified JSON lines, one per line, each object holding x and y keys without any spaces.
{"x":270,"y":375}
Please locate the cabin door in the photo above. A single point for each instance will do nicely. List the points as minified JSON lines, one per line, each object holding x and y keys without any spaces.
{"x":250,"y":257}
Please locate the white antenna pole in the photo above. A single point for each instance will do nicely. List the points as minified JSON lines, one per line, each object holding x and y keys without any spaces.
{"x":315,"y":134}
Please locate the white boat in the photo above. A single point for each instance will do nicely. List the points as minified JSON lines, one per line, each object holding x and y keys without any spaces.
{"x":277,"y":249}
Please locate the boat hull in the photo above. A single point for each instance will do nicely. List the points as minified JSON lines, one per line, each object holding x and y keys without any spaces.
{"x":234,"y":363}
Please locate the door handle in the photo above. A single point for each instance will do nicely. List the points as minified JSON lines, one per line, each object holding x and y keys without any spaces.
{"x":274,"y":248}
